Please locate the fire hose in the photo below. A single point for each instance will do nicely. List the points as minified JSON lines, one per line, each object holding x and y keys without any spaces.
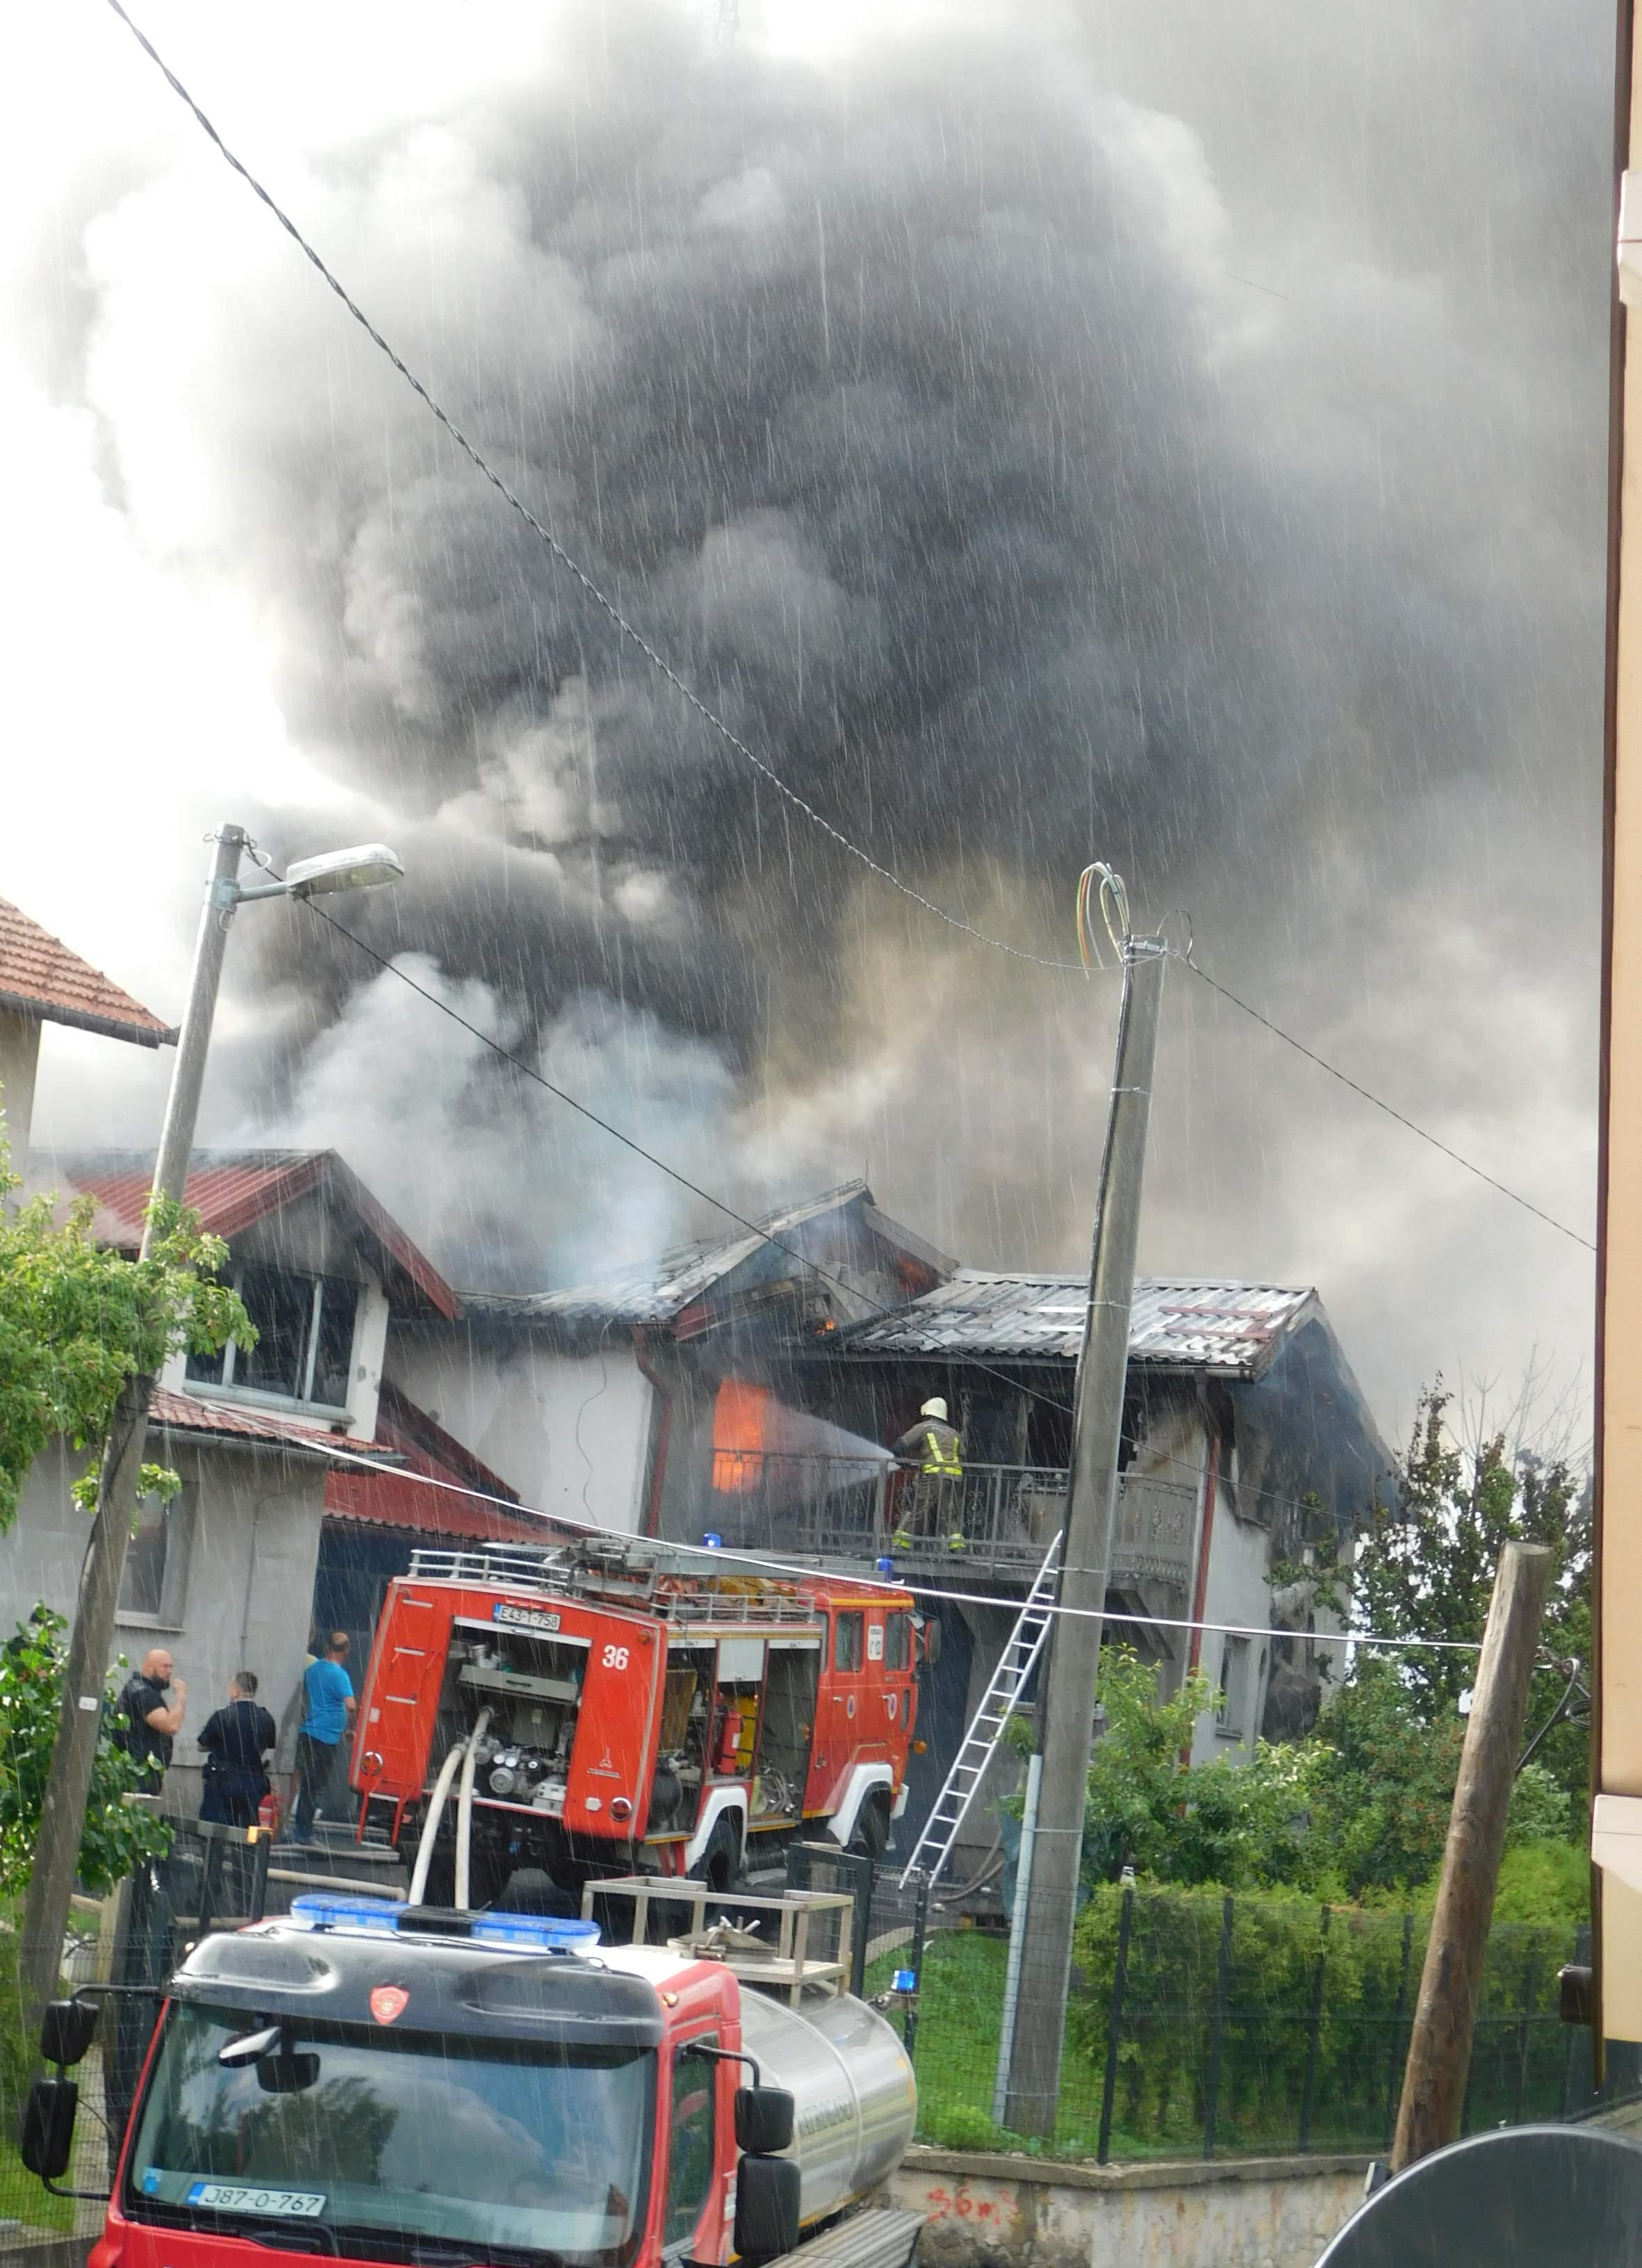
{"x":430,"y":1825}
{"x":464,"y":1811}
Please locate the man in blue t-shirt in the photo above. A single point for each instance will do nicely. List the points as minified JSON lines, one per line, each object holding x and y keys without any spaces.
{"x":328,"y":1711}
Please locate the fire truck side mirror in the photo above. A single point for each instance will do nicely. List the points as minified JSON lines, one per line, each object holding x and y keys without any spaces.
{"x":766,"y":2208}
{"x":47,"y":2134}
{"x":931,"y":1641}
{"x":764,"y":2119}
{"x":67,"y":2030}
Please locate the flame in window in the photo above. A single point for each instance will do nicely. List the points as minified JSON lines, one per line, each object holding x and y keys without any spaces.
{"x":739,"y":1419}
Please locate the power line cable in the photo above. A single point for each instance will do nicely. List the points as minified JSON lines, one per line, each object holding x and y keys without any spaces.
{"x":725,"y":1557}
{"x":1356,"y":1087}
{"x":572,"y":567}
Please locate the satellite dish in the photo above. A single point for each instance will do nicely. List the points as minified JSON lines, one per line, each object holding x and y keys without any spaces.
{"x":1523,"y":2196}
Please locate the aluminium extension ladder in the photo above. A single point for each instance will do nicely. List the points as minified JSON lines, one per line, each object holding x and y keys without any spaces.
{"x":1015,"y":1665}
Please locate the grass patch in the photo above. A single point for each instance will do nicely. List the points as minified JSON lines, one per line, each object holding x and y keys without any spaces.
{"x":960,"y":2002}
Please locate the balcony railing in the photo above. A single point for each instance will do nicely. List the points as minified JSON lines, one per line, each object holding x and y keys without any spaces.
{"x":812,"y":1509}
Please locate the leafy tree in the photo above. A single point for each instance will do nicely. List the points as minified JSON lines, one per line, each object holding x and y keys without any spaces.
{"x":1242,"y":1825}
{"x":1427,"y":1569}
{"x":117,"y":1835}
{"x":1428,"y":1565}
{"x":76,"y":1320}
{"x":1384,"y":1784}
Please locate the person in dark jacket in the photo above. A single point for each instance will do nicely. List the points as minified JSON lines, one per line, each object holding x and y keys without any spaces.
{"x":146,"y":1724}
{"x":235,"y":1741}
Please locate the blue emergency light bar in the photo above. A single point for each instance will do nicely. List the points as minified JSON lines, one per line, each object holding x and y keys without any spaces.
{"x":523,"y":1932}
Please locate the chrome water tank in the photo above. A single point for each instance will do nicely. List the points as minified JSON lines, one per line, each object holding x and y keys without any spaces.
{"x":855,"y":2098}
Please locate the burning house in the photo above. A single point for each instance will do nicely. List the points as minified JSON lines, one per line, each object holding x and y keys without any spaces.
{"x":745,"y":1391}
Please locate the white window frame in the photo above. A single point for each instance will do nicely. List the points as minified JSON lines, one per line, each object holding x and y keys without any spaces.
{"x":1227,"y":1726}
{"x":173,"y":1582}
{"x":268,"y":1397}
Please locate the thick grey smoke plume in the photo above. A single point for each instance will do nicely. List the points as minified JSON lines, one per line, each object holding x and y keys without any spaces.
{"x":924,"y":412}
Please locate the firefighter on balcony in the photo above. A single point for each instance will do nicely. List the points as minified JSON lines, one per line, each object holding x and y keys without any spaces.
{"x":932,"y":1451}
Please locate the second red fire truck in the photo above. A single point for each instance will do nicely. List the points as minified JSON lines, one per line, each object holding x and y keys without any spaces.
{"x":591,"y":1710}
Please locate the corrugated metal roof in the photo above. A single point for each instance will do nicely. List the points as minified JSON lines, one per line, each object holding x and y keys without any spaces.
{"x":661,"y":1289}
{"x":40,"y":977}
{"x":1178,"y":1323}
{"x":230,"y":1189}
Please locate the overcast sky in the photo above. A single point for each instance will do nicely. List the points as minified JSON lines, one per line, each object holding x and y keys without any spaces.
{"x":1171,"y":434}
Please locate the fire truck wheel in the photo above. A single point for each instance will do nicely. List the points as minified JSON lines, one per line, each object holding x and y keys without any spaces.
{"x":871,"y":1837}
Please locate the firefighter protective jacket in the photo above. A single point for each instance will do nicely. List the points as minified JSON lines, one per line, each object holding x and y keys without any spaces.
{"x":934,"y":1446}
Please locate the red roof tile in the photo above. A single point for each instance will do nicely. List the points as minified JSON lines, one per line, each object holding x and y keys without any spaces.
{"x":230,"y":1189}
{"x":378,"y":1496}
{"x":404,"y":1499}
{"x":39,"y":977}
{"x":187,"y":1413}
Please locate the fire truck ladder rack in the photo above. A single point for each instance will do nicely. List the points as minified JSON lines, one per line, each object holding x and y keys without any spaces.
{"x":1015,"y":1665}
{"x":786,"y":1965}
{"x":662,"y":1582}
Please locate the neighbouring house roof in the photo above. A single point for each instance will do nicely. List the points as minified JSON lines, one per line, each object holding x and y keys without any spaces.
{"x":385,"y":1493}
{"x":230,"y":1189}
{"x":39,"y":977}
{"x":224,"y":1421}
{"x":662,"y":1290}
{"x":401,"y":1499}
{"x":1177,"y":1322}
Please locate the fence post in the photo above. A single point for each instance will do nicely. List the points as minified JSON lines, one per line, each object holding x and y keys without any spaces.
{"x":920,"y":1927}
{"x":1394,"y":2066}
{"x":1114,"y":2025}
{"x":1016,"y":1940}
{"x":1313,"y":2028}
{"x":1525,"y":2034}
{"x":1222,"y":1980}
{"x":1576,"y":2035}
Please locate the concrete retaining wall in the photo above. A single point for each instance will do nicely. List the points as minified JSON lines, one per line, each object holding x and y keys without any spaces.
{"x":1001,"y":2212}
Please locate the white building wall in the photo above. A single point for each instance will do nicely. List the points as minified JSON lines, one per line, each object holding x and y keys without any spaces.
{"x":571,"y":1433}
{"x":244,"y":1590}
{"x":19,"y":1059}
{"x":1240,"y":1560}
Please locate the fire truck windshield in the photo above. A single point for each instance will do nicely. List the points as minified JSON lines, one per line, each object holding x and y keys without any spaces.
{"x":396,"y":2146}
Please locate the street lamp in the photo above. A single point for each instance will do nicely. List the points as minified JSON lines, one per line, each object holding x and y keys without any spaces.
{"x":68,"y":1785}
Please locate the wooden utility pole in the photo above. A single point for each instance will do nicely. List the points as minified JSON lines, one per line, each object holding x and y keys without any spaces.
{"x":1445,"y":2018}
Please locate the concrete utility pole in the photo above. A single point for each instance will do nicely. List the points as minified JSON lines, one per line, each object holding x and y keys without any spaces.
{"x":365,"y":866}
{"x":1445,"y":2017}
{"x":1067,"y":1709}
{"x":91,"y":1642}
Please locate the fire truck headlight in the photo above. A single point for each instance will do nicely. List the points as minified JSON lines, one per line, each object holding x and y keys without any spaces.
{"x":619,"y":1807}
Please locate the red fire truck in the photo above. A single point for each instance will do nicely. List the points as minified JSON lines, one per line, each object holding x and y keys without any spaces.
{"x":386,"y":2085}
{"x":596,"y":1710}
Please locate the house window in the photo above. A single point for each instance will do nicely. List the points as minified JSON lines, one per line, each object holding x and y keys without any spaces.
{"x":305,"y":1344}
{"x":1232,"y":1720}
{"x":157,"y":1560}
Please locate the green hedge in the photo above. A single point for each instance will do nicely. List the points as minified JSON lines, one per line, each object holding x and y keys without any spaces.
{"x":1275,"y":2023}
{"x":1324,"y":1989}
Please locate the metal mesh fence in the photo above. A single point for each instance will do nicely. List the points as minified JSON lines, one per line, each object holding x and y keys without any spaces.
{"x":1202,"y":2025}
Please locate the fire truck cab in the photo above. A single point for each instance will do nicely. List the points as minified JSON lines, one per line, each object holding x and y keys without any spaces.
{"x":588,"y":1710}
